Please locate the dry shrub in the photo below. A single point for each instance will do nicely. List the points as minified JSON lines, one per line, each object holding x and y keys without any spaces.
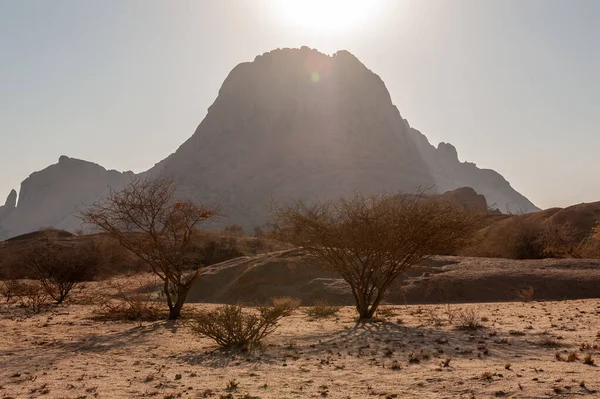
{"x":322,"y":309}
{"x":588,"y":248}
{"x":468,"y":319}
{"x":286,"y":302}
{"x":450,"y":314}
{"x":432,"y":317}
{"x":58,"y":267}
{"x":127,"y":304}
{"x":33,"y":295}
{"x":11,"y":289}
{"x":233,"y":327}
{"x":372,"y":240}
{"x":524,"y":237}
{"x":526,"y":295}
{"x":546,"y":339}
{"x":521,"y":238}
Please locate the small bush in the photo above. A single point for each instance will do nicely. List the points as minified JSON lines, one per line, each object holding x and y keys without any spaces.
{"x":233,"y":327}
{"x":432,"y":317}
{"x":286,"y":302}
{"x":11,"y":289}
{"x":322,"y":309}
{"x":138,"y":304}
{"x":468,"y":320}
{"x":526,"y":295}
{"x":524,"y":237}
{"x":548,"y":340}
{"x":588,"y":248}
{"x":60,"y":268}
{"x":33,"y":296}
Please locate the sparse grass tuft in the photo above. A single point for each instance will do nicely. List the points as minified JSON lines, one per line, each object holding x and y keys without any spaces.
{"x":468,"y":319}
{"x":487,"y":376}
{"x":572,"y":357}
{"x":322,"y":309}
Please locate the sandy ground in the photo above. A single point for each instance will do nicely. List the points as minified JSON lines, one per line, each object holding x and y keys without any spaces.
{"x":64,"y":354}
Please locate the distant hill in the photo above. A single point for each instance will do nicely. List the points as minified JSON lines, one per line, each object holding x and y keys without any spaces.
{"x":292,"y":124}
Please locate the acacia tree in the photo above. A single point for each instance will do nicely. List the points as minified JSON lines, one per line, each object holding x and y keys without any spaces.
{"x":147,"y":219}
{"x":371,"y":241}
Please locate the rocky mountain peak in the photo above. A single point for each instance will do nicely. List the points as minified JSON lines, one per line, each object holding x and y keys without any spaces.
{"x":11,"y":200}
{"x":292,"y":124}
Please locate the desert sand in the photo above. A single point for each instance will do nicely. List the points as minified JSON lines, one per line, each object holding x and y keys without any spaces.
{"x":415,"y":351}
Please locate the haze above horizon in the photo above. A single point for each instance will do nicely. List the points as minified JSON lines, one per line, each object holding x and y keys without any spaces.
{"x":512,"y":85}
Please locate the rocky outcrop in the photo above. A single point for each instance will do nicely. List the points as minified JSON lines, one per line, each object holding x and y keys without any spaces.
{"x":467,"y":198}
{"x":53,"y":197}
{"x":256,"y":280}
{"x":8,"y":207}
{"x":292,"y":124}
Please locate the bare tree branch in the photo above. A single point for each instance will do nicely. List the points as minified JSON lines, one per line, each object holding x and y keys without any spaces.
{"x":373,"y":240}
{"x":147,"y":219}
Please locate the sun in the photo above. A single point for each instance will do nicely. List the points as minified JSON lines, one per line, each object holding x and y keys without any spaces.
{"x":326,"y":16}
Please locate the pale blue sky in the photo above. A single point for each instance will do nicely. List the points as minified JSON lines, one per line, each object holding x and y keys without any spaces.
{"x":514,"y":85}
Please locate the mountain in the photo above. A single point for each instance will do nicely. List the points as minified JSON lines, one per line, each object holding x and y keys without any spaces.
{"x":53,"y":196}
{"x":292,"y":124}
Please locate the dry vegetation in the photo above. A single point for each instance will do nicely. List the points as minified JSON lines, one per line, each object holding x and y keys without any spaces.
{"x":371,"y":241}
{"x":84,"y":316}
{"x":233,"y":327}
{"x":147,"y":219}
{"x":529,"y":237}
{"x":528,"y":349}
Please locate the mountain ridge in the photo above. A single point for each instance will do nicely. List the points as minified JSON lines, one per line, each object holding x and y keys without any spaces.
{"x":292,"y":124}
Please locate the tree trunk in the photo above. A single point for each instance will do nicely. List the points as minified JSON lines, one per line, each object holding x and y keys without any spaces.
{"x":373,"y":308}
{"x":362,"y":306}
{"x":175,"y":309}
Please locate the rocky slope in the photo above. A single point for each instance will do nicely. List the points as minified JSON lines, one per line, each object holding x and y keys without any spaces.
{"x":292,"y":124}
{"x":257,"y":279}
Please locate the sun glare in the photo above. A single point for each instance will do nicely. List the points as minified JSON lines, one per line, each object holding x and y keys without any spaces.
{"x":326,"y":16}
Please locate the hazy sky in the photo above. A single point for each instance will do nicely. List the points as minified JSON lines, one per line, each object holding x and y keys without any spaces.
{"x":514,"y":85}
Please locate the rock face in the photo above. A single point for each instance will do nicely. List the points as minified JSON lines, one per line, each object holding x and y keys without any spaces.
{"x":292,"y":124}
{"x":298,"y":124}
{"x":8,"y":207}
{"x":467,"y":198}
{"x":52,"y":197}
